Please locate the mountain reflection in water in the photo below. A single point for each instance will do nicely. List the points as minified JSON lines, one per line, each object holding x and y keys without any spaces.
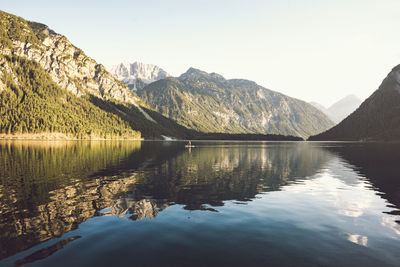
{"x":48,"y":189}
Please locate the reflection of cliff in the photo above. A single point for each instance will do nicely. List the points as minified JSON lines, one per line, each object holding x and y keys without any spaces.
{"x":379,"y":163}
{"x":43,"y":192}
{"x":71,"y":206}
{"x":140,"y":209}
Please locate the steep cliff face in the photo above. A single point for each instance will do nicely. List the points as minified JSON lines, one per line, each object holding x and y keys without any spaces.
{"x":377,"y":118}
{"x":48,"y":85}
{"x":207,"y":102}
{"x":67,"y":65}
{"x":137,"y":75}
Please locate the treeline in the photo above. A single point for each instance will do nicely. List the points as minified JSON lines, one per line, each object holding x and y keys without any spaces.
{"x":33,"y":103}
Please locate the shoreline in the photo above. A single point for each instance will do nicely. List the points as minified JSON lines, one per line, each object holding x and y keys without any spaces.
{"x":58,"y":137}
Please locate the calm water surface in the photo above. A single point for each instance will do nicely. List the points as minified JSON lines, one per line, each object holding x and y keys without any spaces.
{"x":222,"y":203}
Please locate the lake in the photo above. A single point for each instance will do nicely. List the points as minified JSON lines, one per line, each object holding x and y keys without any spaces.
{"x":149,"y":203}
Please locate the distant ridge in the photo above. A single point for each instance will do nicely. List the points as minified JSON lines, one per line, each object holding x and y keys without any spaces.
{"x":341,"y":109}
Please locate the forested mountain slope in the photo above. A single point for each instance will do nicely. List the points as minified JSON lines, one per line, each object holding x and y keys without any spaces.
{"x":48,"y":85}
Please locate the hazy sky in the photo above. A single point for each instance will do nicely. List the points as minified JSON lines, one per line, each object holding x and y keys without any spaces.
{"x":313,"y":50}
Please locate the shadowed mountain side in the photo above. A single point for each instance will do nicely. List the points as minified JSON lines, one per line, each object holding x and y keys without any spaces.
{"x":169,"y":128}
{"x":376,"y":119}
{"x":149,"y":129}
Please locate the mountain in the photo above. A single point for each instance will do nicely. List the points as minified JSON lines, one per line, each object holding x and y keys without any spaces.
{"x":341,"y":109}
{"x":47,"y":85}
{"x":344,"y":107}
{"x":377,"y":118}
{"x":137,"y":75}
{"x":207,"y":102}
{"x":321,"y":108}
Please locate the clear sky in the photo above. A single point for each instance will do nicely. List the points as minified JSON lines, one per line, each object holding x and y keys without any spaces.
{"x":313,"y":50}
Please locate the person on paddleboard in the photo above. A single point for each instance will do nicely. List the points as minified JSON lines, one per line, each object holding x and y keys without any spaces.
{"x":189,"y":145}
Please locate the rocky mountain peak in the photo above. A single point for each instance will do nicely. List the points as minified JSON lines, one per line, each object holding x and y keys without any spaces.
{"x":137,"y":74}
{"x":193,"y":72}
{"x":147,"y":71}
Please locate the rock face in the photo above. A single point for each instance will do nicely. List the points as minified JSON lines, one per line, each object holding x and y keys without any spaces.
{"x":49,"y":85}
{"x":137,"y":75}
{"x":341,"y":109}
{"x":376,"y":119}
{"x":207,"y":102}
{"x":67,"y":65}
